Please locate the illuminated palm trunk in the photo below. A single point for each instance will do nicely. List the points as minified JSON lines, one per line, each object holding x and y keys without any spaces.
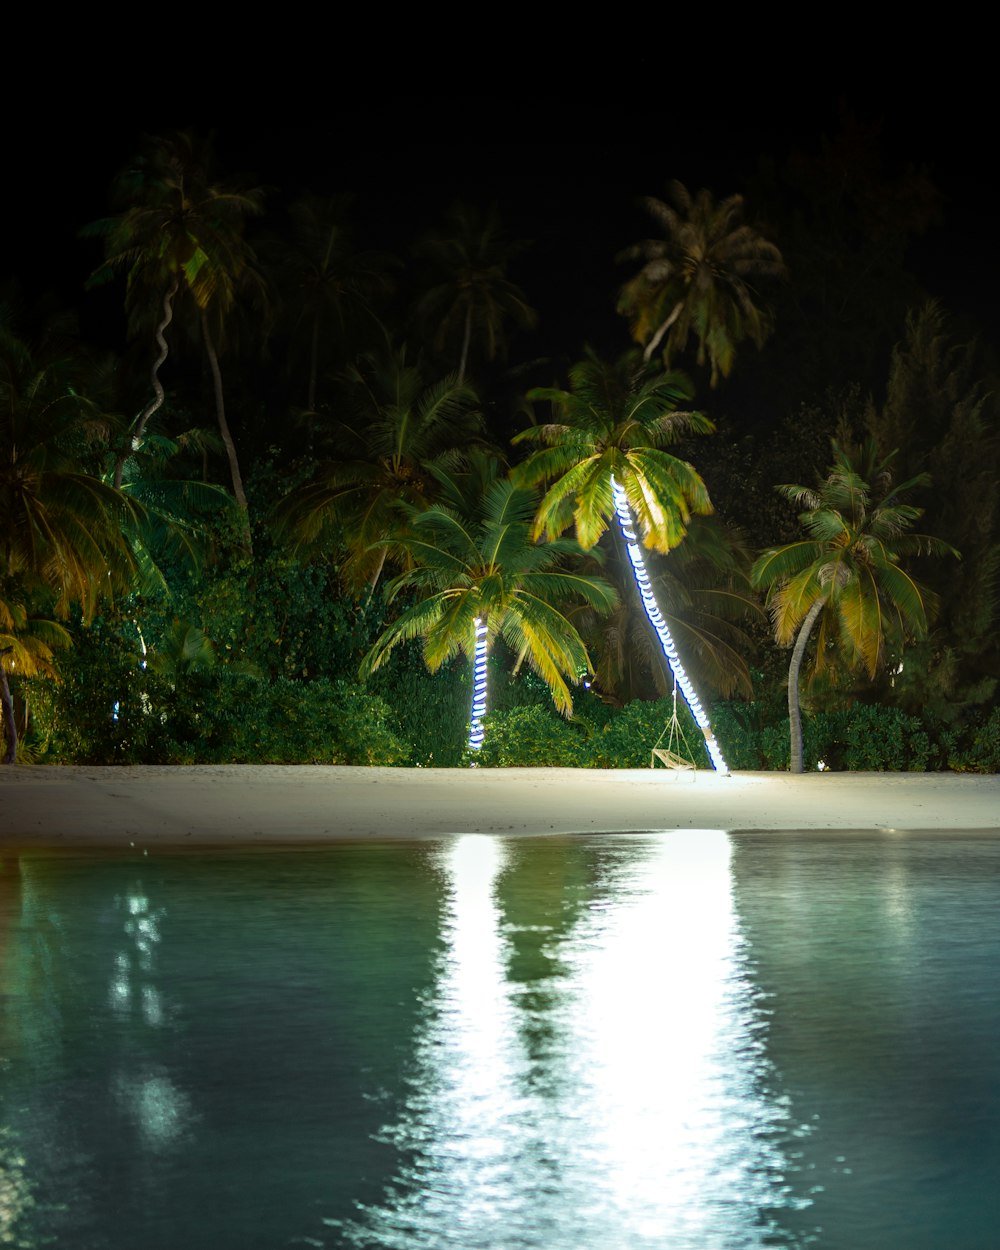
{"x":662,"y":632}
{"x":476,"y":731}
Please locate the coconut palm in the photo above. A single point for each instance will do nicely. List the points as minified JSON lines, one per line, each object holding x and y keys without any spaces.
{"x":180,"y":234}
{"x":328,"y":288}
{"x":697,"y":280}
{"x":27,"y":646}
{"x":847,"y":574}
{"x":605,"y":458}
{"x":706,"y":599}
{"x":61,"y":526}
{"x":471,"y":298}
{"x":478,"y":574}
{"x":394,"y":429}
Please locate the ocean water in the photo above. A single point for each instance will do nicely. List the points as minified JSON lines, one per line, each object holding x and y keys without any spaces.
{"x":685,"y":1040}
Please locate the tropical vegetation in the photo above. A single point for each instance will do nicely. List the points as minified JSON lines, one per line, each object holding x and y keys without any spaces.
{"x":323,"y":491}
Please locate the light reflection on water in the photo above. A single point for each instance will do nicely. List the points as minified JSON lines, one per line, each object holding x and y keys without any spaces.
{"x":644,"y":1122}
{"x":679,"y":1041}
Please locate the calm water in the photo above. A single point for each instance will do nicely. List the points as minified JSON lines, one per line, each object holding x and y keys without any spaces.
{"x":678,"y":1040}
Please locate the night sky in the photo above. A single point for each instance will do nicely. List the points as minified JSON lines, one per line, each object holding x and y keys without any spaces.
{"x":566,"y":178}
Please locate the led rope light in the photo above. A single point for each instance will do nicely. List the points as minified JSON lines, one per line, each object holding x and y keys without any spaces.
{"x":476,"y":731}
{"x":660,"y":625}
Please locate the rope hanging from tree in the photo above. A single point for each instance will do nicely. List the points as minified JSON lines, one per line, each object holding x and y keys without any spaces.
{"x":671,"y":754}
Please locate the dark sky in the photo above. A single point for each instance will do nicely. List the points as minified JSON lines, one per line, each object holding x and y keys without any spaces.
{"x":566,"y":178}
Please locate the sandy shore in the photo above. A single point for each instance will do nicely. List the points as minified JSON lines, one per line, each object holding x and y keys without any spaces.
{"x":273,"y":805}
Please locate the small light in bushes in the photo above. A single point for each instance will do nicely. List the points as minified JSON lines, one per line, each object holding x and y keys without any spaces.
{"x":821,"y":767}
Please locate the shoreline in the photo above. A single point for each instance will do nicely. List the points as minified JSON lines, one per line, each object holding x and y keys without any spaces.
{"x":48,"y":807}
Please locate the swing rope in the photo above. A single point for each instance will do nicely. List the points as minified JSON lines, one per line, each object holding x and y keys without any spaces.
{"x":670,"y":754}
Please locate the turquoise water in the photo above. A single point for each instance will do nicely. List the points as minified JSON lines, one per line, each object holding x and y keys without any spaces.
{"x":677,"y":1040}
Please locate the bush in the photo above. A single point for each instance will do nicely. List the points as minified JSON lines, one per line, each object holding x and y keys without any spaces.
{"x":980,"y":750}
{"x":533,"y":737}
{"x":741,"y":734}
{"x":628,"y":738}
{"x":230,"y":718}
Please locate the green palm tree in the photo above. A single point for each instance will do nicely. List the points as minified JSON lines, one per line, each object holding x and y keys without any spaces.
{"x":180,"y":234}
{"x":606,"y":458}
{"x":478,"y":574}
{"x":63,"y":531}
{"x":470,"y":297}
{"x":706,"y":598}
{"x":847,"y":574}
{"x":61,"y":526}
{"x":327,"y":287}
{"x":395,"y":428}
{"x":697,"y":280}
{"x":27,"y":646}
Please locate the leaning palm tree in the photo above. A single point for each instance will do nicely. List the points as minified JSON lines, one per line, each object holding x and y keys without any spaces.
{"x":179,"y":234}
{"x":706,"y":602}
{"x":470,"y":297}
{"x":605,"y":458}
{"x":697,"y":280}
{"x":847,"y":574}
{"x":394,"y":428}
{"x":480,"y":576}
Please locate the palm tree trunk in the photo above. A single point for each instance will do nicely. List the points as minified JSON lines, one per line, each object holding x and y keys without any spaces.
{"x":373,"y":581}
{"x":794,"y":714}
{"x":655,"y":341}
{"x":7,"y":709}
{"x":157,"y":400}
{"x":466,"y":340}
{"x":478,"y":686}
{"x":227,"y":438}
{"x":662,"y":632}
{"x":313,"y":369}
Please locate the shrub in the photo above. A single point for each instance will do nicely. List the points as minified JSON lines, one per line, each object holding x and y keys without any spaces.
{"x":980,"y":753}
{"x":533,"y":737}
{"x":628,"y":738}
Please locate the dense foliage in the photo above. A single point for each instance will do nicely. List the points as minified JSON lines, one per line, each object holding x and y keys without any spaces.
{"x":316,"y":459}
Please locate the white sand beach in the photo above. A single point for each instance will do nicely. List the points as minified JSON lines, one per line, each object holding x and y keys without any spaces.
{"x":272,"y":805}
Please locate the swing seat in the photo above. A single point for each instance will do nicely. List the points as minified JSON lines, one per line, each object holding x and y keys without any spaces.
{"x":670,"y":758}
{"x":675,"y":737}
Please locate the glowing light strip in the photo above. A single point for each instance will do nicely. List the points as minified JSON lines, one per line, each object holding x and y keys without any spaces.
{"x":476,"y":731}
{"x":660,"y":625}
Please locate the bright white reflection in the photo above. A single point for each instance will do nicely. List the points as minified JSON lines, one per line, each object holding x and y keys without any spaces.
{"x":159,"y":1110}
{"x":664,"y":1054}
{"x":641,"y":1120}
{"x":16,"y":1199}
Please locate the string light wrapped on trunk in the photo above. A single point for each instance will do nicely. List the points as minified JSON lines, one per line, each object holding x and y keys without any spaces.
{"x":476,"y":731}
{"x":662,"y":632}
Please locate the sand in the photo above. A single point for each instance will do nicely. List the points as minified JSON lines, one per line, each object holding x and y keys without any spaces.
{"x":270,"y":805}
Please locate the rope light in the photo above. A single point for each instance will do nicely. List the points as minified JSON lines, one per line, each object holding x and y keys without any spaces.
{"x":660,"y":625}
{"x":476,"y":730}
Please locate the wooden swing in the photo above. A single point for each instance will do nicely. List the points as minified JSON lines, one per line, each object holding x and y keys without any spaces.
{"x":670,"y":754}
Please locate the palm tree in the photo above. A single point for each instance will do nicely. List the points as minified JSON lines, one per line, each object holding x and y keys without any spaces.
{"x":181,"y":234}
{"x":605,"y":458}
{"x":326,"y":285}
{"x":847,"y":574}
{"x":706,"y":588}
{"x":61,"y":526}
{"x":396,"y":427}
{"x":63,"y":531}
{"x":697,"y":280}
{"x":27,"y":643}
{"x":471,"y":296}
{"x":478,"y":575}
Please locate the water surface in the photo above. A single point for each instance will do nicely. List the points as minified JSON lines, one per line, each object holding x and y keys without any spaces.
{"x":679,"y":1039}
